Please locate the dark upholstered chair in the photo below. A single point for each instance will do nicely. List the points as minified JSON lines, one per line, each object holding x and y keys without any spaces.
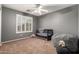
{"x":71,"y":44}
{"x":46,"y":33}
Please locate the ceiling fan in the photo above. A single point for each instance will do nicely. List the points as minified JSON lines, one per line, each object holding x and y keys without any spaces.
{"x":38,"y":9}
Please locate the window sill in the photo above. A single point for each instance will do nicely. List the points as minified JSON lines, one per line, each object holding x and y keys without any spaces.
{"x":24,"y":32}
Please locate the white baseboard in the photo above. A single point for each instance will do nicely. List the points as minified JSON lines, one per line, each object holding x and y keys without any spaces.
{"x":14,"y":40}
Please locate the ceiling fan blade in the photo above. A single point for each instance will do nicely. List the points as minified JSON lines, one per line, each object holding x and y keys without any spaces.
{"x":44,"y":10}
{"x":40,"y":7}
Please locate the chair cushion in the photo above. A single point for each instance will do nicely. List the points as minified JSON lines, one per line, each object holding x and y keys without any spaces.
{"x":42,"y":34}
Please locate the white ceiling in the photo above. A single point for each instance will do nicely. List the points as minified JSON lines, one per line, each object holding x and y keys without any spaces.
{"x":24,"y":7}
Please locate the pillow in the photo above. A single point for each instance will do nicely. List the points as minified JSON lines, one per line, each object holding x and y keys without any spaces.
{"x":61,"y":43}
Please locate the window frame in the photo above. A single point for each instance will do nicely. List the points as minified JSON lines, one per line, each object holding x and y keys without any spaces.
{"x":31,"y":18}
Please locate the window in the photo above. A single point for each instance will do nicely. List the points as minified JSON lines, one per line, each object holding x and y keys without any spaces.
{"x":24,"y":24}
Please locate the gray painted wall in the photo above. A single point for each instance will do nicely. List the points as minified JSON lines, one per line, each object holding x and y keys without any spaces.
{"x":9,"y":24}
{"x":62,"y":21}
{"x":78,"y":20}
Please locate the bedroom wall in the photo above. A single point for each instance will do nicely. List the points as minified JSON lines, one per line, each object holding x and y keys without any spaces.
{"x":78,"y":20}
{"x":9,"y":24}
{"x":62,"y":21}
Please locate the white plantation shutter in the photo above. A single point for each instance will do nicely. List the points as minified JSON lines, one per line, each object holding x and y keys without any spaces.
{"x":23,"y":24}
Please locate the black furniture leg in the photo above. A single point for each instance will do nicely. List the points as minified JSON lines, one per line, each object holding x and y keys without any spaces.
{"x":48,"y":38}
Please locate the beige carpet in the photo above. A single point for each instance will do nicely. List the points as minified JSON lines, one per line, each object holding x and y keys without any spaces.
{"x":28,"y":46}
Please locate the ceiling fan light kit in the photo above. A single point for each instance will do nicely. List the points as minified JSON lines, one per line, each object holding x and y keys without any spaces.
{"x":39,"y":10}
